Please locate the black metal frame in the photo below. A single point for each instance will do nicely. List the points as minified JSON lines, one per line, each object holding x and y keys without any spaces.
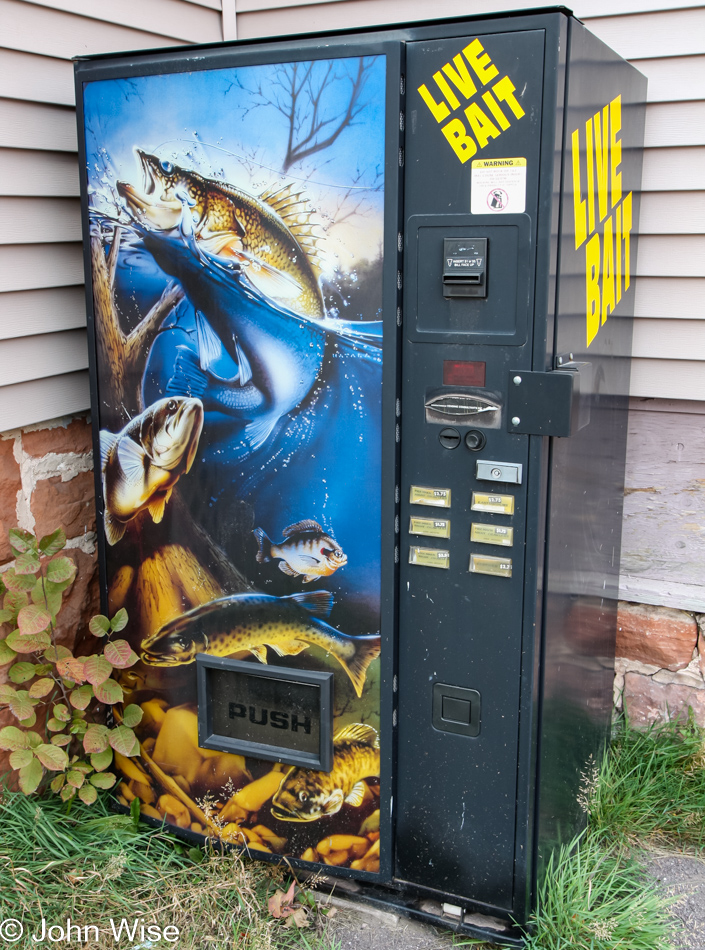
{"x":208,"y":739}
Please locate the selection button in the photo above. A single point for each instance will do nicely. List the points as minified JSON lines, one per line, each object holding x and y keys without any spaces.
{"x":497,"y":504}
{"x":429,"y":557}
{"x":430,"y":527}
{"x":491,"y":534}
{"x":435,"y":497}
{"x":498,"y":566}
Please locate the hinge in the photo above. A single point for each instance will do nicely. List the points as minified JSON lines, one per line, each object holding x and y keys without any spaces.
{"x":556,"y":403}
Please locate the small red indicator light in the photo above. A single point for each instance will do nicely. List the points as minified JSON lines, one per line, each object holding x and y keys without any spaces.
{"x":463,"y":373}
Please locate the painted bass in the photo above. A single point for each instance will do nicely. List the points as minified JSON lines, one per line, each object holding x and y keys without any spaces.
{"x":307,"y":796}
{"x":142,"y":463}
{"x":269,"y":236}
{"x":254,"y":622}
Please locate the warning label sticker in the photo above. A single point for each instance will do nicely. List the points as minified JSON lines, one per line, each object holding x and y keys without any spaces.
{"x":498,"y":186}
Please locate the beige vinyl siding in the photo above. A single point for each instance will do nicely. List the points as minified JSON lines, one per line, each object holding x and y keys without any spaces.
{"x":43,"y":349}
{"x":666,"y":41}
{"x":40,"y":253}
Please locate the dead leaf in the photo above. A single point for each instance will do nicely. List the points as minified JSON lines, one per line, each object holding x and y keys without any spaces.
{"x":280,"y":903}
{"x":297,"y":918}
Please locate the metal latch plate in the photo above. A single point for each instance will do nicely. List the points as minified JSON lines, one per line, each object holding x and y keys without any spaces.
{"x":548,"y":403}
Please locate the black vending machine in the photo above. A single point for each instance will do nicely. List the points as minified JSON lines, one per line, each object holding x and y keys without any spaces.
{"x":360,"y":327}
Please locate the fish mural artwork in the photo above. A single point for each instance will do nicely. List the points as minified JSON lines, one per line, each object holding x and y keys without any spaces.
{"x":307,"y":796}
{"x":141,"y":464}
{"x":306,"y":551}
{"x":239,"y":282}
{"x":269,"y":236}
{"x":252,"y":622}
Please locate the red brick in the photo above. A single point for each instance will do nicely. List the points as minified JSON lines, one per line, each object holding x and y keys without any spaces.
{"x":69,"y":505}
{"x":10,"y":484}
{"x":75,"y":437}
{"x":646,"y":702}
{"x":657,"y":635}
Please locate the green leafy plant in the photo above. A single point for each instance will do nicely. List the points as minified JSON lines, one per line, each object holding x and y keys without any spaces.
{"x":72,"y":692}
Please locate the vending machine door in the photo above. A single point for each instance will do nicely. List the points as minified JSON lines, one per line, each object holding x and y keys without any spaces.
{"x":241,"y":213}
{"x":472,"y":185}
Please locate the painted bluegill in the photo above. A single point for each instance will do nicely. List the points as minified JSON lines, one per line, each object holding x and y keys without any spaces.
{"x":142,"y":463}
{"x":254,"y":622}
{"x":307,"y":796}
{"x":270,"y":236}
{"x":306,"y":550}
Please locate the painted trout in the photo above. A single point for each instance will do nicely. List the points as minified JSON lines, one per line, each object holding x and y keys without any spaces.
{"x":270,"y":236}
{"x":142,"y":463}
{"x":307,"y":796}
{"x":254,"y":622}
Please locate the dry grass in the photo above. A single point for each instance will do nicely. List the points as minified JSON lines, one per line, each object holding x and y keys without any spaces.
{"x":93,"y":866}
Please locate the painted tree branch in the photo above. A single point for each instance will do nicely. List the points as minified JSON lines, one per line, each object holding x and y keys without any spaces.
{"x":120,"y":354}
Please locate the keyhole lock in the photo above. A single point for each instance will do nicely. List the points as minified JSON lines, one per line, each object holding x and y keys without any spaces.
{"x":475,"y":440}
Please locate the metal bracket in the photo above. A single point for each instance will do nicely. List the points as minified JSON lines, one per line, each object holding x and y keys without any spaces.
{"x":554,"y":404}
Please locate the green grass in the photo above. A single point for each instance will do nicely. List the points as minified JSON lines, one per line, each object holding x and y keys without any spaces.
{"x":93,"y":865}
{"x":649,"y":790}
{"x":652,"y":787}
{"x":593,"y":898}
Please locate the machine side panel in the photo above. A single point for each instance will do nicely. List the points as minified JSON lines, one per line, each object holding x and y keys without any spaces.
{"x":604,"y":131}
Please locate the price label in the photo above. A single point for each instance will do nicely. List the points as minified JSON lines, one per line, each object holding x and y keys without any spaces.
{"x":435,"y":497}
{"x":498,"y":566}
{"x":429,"y":557}
{"x":499,"y":504}
{"x":492,"y":534}
{"x":430,"y":527}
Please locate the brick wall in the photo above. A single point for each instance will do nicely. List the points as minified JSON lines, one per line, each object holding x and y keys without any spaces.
{"x":660,"y":670}
{"x":46,"y":482}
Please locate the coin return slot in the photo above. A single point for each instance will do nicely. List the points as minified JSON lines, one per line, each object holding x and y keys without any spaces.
{"x":456,"y":709}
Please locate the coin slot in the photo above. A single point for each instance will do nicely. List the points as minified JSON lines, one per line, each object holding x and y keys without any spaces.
{"x":449,"y":438}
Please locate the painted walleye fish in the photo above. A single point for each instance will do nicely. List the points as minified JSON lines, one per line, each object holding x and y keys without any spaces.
{"x":307,"y":796}
{"x":254,"y":622}
{"x":306,"y":550}
{"x":142,"y":463}
{"x":270,"y":236}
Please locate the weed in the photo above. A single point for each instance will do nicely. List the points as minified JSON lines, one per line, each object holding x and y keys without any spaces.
{"x":652,"y":787}
{"x":597,"y":899}
{"x":94,"y":866}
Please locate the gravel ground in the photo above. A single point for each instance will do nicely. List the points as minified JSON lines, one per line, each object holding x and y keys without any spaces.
{"x":358,"y":927}
{"x":683,"y":876}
